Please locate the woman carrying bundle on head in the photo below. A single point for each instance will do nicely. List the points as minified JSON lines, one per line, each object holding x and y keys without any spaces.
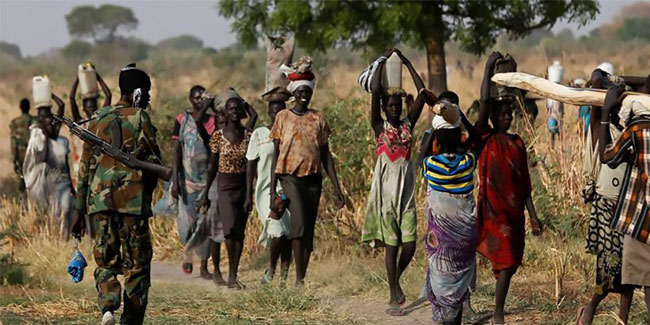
{"x":504,"y":189}
{"x":260,"y":155}
{"x":191,"y":160}
{"x":451,"y":214}
{"x":228,"y":164}
{"x":301,"y":153}
{"x":390,"y":215}
{"x":45,"y":169}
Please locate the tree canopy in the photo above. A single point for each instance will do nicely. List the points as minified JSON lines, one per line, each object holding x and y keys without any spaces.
{"x":375,"y":25}
{"x":10,"y":49}
{"x":100,"y":23}
{"x":181,"y":42}
{"x":634,"y":28}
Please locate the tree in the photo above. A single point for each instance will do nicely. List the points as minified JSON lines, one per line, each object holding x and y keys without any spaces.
{"x":77,"y":49}
{"x":101,"y":23}
{"x":181,"y":42}
{"x":634,"y":28}
{"x":10,"y":49}
{"x":379,"y":24}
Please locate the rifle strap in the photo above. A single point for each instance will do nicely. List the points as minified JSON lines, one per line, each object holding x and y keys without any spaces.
{"x":100,"y":116}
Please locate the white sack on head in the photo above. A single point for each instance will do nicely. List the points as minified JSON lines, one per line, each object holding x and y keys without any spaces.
{"x":279,"y":51}
{"x":365,"y":78}
{"x":607,"y":67}
{"x":447,"y":116}
{"x":631,"y":109}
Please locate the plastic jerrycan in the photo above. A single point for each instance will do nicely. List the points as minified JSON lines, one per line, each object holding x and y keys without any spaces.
{"x":88,"y":80}
{"x":41,"y":91}
{"x":392,"y":77}
{"x":556,"y":72}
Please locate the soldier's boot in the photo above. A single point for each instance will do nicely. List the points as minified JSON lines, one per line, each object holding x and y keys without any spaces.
{"x":135,"y":307}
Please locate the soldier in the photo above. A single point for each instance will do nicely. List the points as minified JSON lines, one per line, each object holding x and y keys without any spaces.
{"x":119,"y":199}
{"x":19,"y":138}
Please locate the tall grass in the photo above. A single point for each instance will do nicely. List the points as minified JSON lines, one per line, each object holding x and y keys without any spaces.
{"x":557,"y":274}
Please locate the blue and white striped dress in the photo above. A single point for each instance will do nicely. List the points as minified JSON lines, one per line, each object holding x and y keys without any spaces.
{"x":451,"y":232}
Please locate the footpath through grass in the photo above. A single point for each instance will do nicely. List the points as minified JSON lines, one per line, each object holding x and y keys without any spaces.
{"x":349,"y":288}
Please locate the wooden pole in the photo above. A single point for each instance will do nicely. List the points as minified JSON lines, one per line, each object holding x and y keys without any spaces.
{"x":568,"y":95}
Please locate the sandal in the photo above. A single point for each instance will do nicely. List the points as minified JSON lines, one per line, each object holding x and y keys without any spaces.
{"x":581,"y":311}
{"x":402,"y":300}
{"x":187,"y":268}
{"x":266,"y":278}
{"x":394,"y":310}
{"x":218,"y":280}
{"x":237,"y":285}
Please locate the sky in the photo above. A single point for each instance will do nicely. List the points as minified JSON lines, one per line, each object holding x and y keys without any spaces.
{"x":39,"y":25}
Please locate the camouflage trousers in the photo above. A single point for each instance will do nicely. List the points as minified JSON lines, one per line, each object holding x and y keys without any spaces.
{"x":123,"y":246}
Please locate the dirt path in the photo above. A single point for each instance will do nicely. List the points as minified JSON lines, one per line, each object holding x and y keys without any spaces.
{"x":372,"y":311}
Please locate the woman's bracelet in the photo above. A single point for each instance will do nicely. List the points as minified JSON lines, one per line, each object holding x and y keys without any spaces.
{"x":604,"y":122}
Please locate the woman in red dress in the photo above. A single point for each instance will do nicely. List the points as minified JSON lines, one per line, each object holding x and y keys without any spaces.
{"x":504,"y":191}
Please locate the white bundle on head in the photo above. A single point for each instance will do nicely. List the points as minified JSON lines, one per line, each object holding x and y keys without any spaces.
{"x":299,"y":74}
{"x":365,"y":78}
{"x":447,"y":116}
{"x":632,"y":109}
{"x":607,"y":67}
{"x":579,"y":82}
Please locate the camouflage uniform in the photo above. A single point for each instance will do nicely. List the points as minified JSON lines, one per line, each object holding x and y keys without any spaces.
{"x":119,"y":200}
{"x":19,"y":128}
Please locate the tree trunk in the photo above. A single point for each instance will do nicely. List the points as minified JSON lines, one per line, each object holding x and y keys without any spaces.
{"x":436,"y":65}
{"x":433,"y":35}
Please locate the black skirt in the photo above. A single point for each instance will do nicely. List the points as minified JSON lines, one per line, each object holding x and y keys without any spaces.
{"x":230,"y":204}
{"x":304,"y":196}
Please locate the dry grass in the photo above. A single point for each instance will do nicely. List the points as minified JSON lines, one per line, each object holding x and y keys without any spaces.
{"x":557,"y":275}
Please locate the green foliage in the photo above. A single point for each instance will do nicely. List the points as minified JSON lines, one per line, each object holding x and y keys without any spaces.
{"x":10,"y":271}
{"x":319,"y":25}
{"x":181,"y":43}
{"x":635,"y":28}
{"x":101,"y":23}
{"x":77,"y":49}
{"x":10,"y":49}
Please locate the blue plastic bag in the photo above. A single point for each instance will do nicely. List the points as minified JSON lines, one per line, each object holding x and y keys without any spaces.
{"x":76,"y":266}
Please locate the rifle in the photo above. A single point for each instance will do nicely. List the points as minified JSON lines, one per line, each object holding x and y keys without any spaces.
{"x":160,"y":171}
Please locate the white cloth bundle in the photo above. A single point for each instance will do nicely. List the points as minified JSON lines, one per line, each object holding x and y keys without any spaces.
{"x":631,"y":109}
{"x":365,"y":78}
{"x":447,"y":116}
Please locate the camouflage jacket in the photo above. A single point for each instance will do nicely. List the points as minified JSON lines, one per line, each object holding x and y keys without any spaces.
{"x":19,"y":129}
{"x":103,"y":183}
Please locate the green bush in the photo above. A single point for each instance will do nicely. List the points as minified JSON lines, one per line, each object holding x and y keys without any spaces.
{"x":11,"y":272}
{"x":77,"y":49}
